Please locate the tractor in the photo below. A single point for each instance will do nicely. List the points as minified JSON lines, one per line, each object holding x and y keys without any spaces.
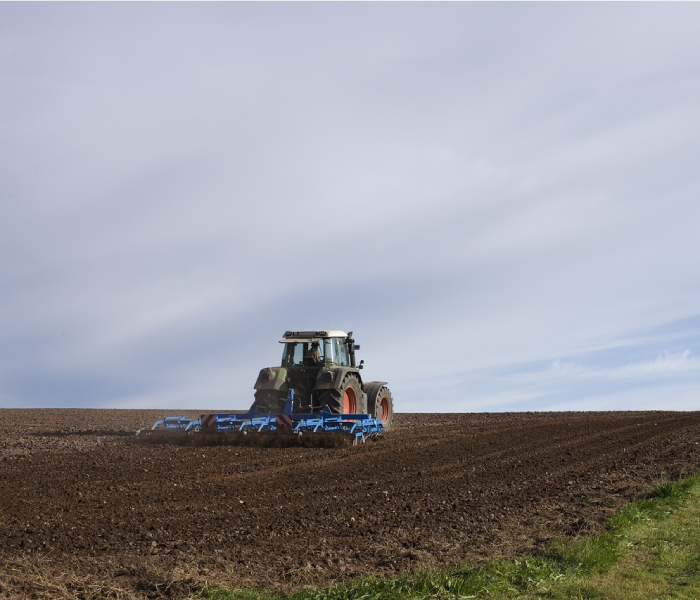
{"x":320,"y":368}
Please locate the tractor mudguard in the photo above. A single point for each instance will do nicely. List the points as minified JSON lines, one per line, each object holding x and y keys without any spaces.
{"x":272,"y":378}
{"x":331,"y":378}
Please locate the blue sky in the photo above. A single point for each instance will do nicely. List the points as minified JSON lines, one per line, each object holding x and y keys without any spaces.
{"x":501,"y":200}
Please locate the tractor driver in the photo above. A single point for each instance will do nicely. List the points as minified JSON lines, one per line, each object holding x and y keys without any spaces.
{"x":313,"y":354}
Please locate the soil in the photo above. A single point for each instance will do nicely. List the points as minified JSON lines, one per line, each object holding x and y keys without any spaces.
{"x":86,"y":511}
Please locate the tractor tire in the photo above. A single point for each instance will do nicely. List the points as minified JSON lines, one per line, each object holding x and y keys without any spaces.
{"x":347,"y":399}
{"x":381,"y":405}
{"x":269,"y":402}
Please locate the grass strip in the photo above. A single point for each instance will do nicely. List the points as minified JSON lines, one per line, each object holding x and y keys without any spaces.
{"x":650,"y":549}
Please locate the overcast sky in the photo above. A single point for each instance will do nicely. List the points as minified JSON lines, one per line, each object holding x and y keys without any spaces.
{"x":501,"y":200}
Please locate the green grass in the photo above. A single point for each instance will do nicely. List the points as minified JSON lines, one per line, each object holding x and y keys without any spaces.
{"x":650,"y":550}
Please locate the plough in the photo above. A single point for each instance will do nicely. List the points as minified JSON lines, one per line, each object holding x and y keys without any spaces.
{"x":358,"y":426}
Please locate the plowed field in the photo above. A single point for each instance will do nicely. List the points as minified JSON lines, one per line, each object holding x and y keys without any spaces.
{"x":85,"y":511}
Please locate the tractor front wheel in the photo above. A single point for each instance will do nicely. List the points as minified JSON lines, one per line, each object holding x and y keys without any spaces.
{"x":381,"y":405}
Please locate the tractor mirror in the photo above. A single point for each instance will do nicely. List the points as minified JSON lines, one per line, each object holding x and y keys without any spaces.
{"x":357,"y":346}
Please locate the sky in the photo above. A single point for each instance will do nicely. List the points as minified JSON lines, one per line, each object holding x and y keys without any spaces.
{"x":500,"y":200}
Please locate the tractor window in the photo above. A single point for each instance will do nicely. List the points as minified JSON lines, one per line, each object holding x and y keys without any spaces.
{"x":343,"y":358}
{"x":330,"y":351}
{"x":293,"y":354}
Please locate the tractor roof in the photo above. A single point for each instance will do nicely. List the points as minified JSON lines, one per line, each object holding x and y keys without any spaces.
{"x":305,"y":336}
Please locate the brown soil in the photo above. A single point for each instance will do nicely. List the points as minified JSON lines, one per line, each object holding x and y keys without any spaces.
{"x":87,"y":512}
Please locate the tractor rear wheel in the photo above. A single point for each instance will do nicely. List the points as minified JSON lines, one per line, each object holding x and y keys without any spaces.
{"x":348,"y":398}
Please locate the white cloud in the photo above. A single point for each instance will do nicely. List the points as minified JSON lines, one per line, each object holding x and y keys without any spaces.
{"x":667,"y":363}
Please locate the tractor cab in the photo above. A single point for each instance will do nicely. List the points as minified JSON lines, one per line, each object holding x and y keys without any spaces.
{"x":317,"y":349}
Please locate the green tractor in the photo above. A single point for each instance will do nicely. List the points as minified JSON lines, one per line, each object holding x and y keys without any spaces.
{"x":320,"y":367}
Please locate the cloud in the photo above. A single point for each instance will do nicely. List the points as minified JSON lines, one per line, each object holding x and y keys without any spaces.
{"x":602,"y":379}
{"x":668,"y":363}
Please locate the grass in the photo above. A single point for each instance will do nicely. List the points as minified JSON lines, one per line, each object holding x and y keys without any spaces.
{"x":650,"y":550}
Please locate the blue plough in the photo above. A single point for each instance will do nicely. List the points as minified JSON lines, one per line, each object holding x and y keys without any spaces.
{"x":359,"y":426}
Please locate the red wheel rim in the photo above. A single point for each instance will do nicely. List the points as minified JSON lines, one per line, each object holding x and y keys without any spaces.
{"x":349,"y":402}
{"x":384,"y":409}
